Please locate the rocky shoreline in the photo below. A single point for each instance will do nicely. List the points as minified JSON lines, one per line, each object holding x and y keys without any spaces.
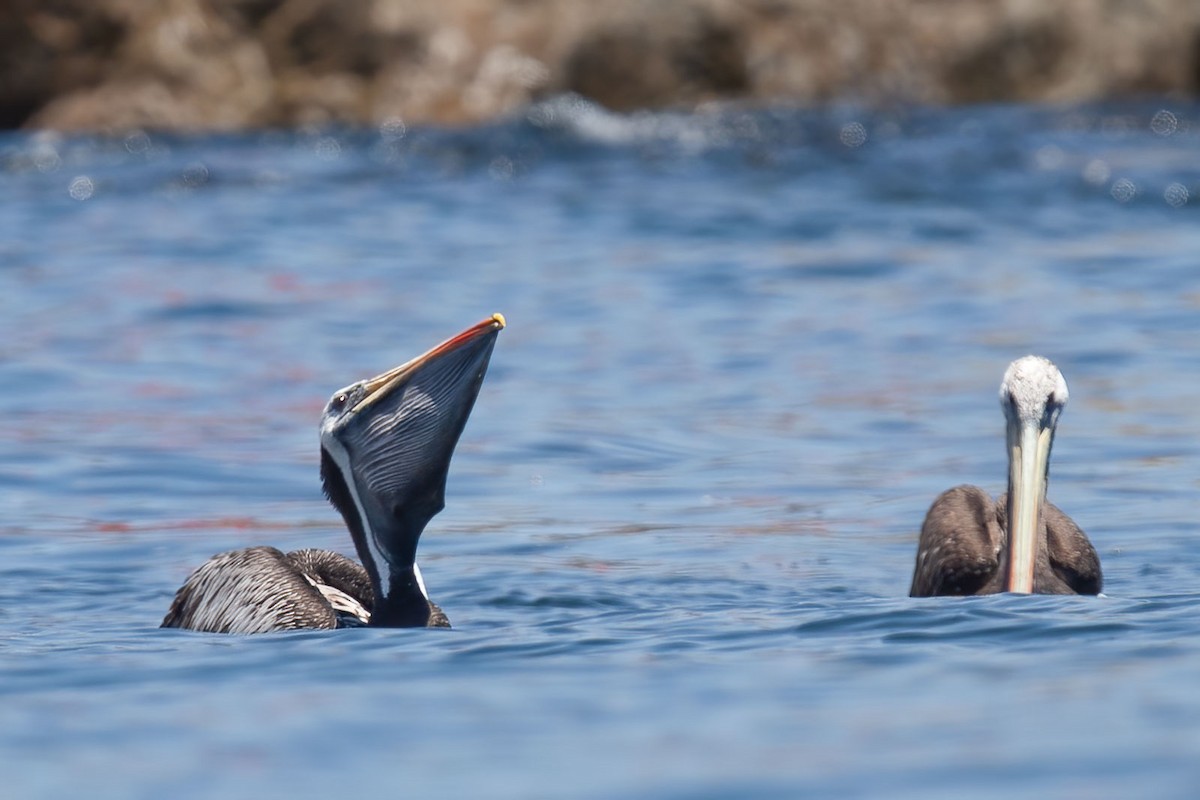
{"x":117,"y":65}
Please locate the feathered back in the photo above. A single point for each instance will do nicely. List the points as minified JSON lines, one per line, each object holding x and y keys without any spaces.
{"x":255,"y":590}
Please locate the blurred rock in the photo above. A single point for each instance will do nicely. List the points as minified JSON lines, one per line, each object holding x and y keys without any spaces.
{"x":113,"y":65}
{"x":665,"y":56}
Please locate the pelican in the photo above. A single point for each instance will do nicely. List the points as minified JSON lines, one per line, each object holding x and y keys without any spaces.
{"x":386,"y":445}
{"x":1019,"y":543}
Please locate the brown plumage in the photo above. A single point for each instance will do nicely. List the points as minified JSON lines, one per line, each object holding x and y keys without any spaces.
{"x":967,"y":545}
{"x":262,"y":589}
{"x":964,"y":538}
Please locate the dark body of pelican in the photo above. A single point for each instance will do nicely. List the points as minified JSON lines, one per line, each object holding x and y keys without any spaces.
{"x":386,"y":445}
{"x":1020,"y":543}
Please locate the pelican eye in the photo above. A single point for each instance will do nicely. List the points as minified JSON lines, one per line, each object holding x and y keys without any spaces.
{"x":339,"y":402}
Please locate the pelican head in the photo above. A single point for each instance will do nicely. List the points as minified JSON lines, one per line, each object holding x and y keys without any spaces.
{"x":1033,"y":394}
{"x":386,"y":444}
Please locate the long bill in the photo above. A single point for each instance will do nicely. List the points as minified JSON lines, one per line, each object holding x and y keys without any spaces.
{"x":381,"y":385}
{"x":1028,"y":460}
{"x":384,"y":462}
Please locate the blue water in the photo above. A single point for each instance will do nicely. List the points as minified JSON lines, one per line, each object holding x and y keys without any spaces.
{"x":746,"y":349}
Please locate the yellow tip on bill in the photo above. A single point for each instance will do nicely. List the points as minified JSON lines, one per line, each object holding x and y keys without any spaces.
{"x":498,"y":317}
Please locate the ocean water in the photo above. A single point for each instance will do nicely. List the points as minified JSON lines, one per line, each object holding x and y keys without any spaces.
{"x":746,"y":349}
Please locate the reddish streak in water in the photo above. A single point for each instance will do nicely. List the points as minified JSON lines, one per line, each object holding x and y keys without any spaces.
{"x":215,"y":523}
{"x":156,"y":389}
{"x":284,"y":282}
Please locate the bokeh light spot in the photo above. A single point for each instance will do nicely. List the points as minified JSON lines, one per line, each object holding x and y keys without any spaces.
{"x":328,"y":148}
{"x":1124,"y":190}
{"x":137,"y":143}
{"x":46,"y":158}
{"x":82,"y":188}
{"x":1097,"y":172}
{"x":502,"y":168}
{"x":1176,"y":195}
{"x":853,"y":134}
{"x":1050,"y":157}
{"x":194,"y":175}
{"x":393,"y":129}
{"x":1164,"y":123}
